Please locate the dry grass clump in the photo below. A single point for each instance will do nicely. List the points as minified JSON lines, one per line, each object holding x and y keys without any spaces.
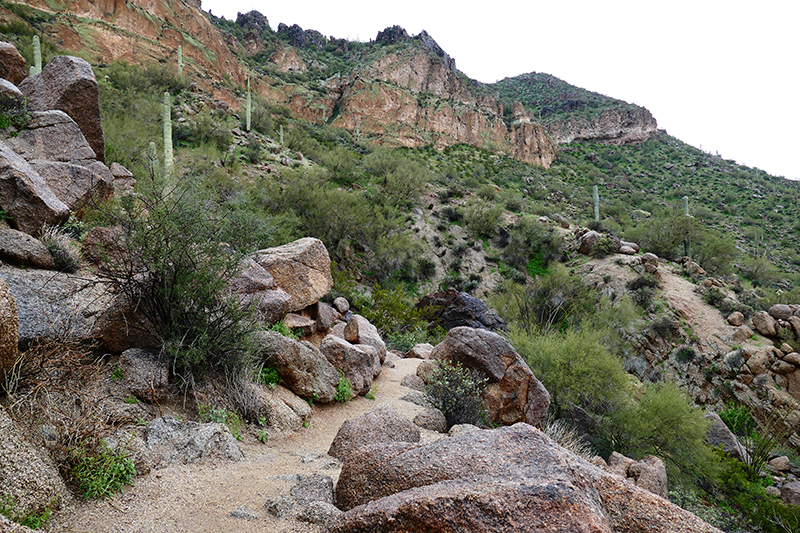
{"x":66,"y":253}
{"x":566,"y":436}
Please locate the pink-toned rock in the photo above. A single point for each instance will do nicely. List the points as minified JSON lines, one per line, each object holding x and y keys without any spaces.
{"x":76,"y":185}
{"x":301,"y":268}
{"x":512,"y":393}
{"x":650,"y":474}
{"x":357,"y":362}
{"x":52,"y":135}
{"x":588,"y":241}
{"x":627,"y":250}
{"x":12,"y":64}
{"x":793,"y":358}
{"x":633,"y":245}
{"x":764,"y":324}
{"x":359,"y":330}
{"x":68,"y":83}
{"x":736,"y":319}
{"x":420,"y":351}
{"x":780,"y":311}
{"x":294,"y":322}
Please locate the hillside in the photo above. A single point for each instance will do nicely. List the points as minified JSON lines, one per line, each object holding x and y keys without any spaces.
{"x":416,"y":186}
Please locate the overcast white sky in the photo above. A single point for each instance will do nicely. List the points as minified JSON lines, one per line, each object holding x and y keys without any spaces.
{"x":720,"y":75}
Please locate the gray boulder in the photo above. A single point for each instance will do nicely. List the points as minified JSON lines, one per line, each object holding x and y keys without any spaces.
{"x":512,"y":393}
{"x":9,"y":333}
{"x":52,"y":135}
{"x":381,"y":425}
{"x":27,"y":474}
{"x":718,"y":434}
{"x":764,"y":324}
{"x":25,"y":196}
{"x":67,"y":83}
{"x":12,"y":101}
{"x":190,"y":442}
{"x":303,"y":368}
{"x":431,"y":419}
{"x":21,"y":249}
{"x":76,"y":185}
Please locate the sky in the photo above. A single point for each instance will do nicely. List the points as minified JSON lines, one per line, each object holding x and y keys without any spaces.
{"x":723,"y":76}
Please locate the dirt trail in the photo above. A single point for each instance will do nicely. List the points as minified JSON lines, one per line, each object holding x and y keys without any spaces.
{"x":200,"y":497}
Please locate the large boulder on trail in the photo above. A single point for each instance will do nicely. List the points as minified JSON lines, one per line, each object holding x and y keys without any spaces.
{"x":764,"y":324}
{"x":67,"y":83}
{"x":380,"y":425}
{"x":301,"y":268}
{"x":359,"y":330}
{"x":507,"y":479}
{"x":359,"y":363}
{"x":512,"y":393}
{"x":303,"y":368}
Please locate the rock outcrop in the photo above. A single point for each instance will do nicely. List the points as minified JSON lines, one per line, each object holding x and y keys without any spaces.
{"x":67,"y":83}
{"x":512,"y":393}
{"x":451,"y":308}
{"x":188,"y":442}
{"x":9,"y":330}
{"x":512,"y":478}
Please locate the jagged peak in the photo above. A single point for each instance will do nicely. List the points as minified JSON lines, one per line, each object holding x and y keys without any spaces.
{"x":252,"y":20}
{"x":392,"y":34}
{"x":429,"y":43}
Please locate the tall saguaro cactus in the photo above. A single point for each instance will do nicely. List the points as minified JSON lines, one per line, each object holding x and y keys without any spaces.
{"x":167,"y":135}
{"x":36,"y":68}
{"x":180,"y":60}
{"x":248,"y":111}
{"x":596,"y":201}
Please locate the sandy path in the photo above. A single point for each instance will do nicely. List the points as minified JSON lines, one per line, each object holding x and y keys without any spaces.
{"x":199,"y":497}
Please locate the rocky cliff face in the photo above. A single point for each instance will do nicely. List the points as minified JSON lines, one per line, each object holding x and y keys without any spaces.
{"x":610,"y":123}
{"x":409,"y":96}
{"x":142,"y":31}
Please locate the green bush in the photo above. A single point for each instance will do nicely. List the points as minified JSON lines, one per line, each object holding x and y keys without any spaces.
{"x":529,"y":239}
{"x":575,"y":367}
{"x":642,"y":290}
{"x":268,"y":376}
{"x":102,"y":473}
{"x":483,"y":218}
{"x":176,"y":271}
{"x":344,"y":389}
{"x":456,"y":392}
{"x":219,"y":415}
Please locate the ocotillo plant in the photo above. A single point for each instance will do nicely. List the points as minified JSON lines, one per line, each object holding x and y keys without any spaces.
{"x":180,"y":60}
{"x":596,"y":200}
{"x":167,"y":135}
{"x":248,"y":110}
{"x":36,"y":68}
{"x":687,"y":244}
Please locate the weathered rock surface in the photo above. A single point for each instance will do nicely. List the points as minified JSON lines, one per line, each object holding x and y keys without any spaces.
{"x":764,"y":324}
{"x":420,"y":351}
{"x":52,"y":135}
{"x":25,"y":196}
{"x":67,"y":83}
{"x":431,"y":419}
{"x":144,"y":374}
{"x":12,"y":64}
{"x":282,"y":410}
{"x":9,"y":329}
{"x":359,"y":363}
{"x":381,"y":425}
{"x":359,"y":331}
{"x":12,"y":101}
{"x":27,"y":473}
{"x":75,"y":185}
{"x":301,"y":268}
{"x":512,"y":478}
{"x":21,"y":249}
{"x":512,"y":393}
{"x":303,"y":368}
{"x":718,"y":434}
{"x":190,"y":442}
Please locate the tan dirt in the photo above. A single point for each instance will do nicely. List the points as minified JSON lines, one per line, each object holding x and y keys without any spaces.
{"x":200,"y":497}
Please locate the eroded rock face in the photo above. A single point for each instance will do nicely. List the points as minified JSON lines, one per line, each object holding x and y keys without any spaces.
{"x":22,"y":249}
{"x":303,"y":369}
{"x":450,"y":309}
{"x":512,"y":394}
{"x":360,"y":363}
{"x":764,"y":324}
{"x":359,"y":330}
{"x":67,"y":83}
{"x":27,"y":473}
{"x":189,"y":442}
{"x":25,"y":196}
{"x":144,"y":374}
{"x":301,"y":268}
{"x":9,"y":331}
{"x":512,"y":478}
{"x":381,"y":425}
{"x":12,"y":64}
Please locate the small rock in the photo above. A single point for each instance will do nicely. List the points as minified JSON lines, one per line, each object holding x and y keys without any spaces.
{"x":341,"y":304}
{"x":244,"y":513}
{"x":417,"y":398}
{"x":431,"y":419}
{"x":736,"y":319}
{"x":412,"y":381}
{"x":21,"y":249}
{"x":420,"y":351}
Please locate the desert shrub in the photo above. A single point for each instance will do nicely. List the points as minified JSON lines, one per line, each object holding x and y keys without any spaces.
{"x":102,"y":473}
{"x":201,"y":129}
{"x":483,"y":218}
{"x":715,"y":253}
{"x":661,"y":421}
{"x":642,"y":290}
{"x":32,"y":520}
{"x":664,"y":235}
{"x":555,"y":301}
{"x":65,"y":252}
{"x":605,"y":246}
{"x":456,"y":392}
{"x":487,"y":192}
{"x":685,"y":354}
{"x":398,"y":178}
{"x":219,"y":415}
{"x":759,"y":270}
{"x":529,"y":239}
{"x":176,"y":272}
{"x":392,"y":310}
{"x":452,"y":213}
{"x":713,"y":296}
{"x":268,"y":375}
{"x":575,"y":366}
{"x":565,"y":435}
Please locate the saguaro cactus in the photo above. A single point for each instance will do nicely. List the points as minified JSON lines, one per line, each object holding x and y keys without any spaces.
{"x":167,"y":134}
{"x":180,"y":60}
{"x":281,"y":134}
{"x":36,"y":68}
{"x":248,"y":111}
{"x":596,"y":200}
{"x":152,"y":157}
